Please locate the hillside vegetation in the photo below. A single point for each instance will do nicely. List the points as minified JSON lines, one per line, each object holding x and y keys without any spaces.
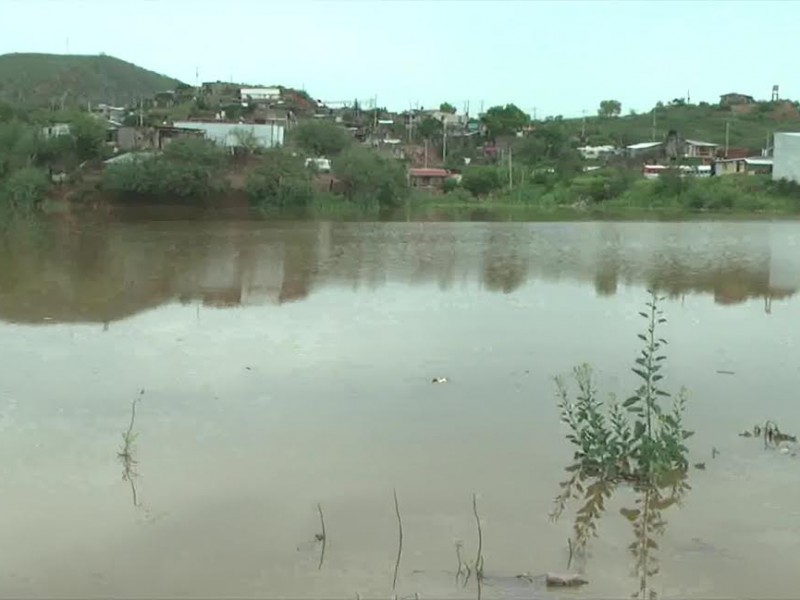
{"x":35,"y":80}
{"x":702,"y":122}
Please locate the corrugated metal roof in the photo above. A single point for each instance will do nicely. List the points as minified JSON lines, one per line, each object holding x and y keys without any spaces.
{"x":643,"y":145}
{"x":703,"y":144}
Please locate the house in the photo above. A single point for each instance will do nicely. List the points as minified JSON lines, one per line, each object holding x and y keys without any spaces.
{"x":734,"y":99}
{"x":130,"y":139}
{"x":595,"y":152}
{"x":55,"y":130}
{"x":786,"y":156}
{"x":259,"y":95}
{"x":110,"y":113}
{"x":643,"y":148}
{"x":754,"y":165}
{"x":231,"y":135}
{"x":697,"y":149}
{"x":427,"y":178}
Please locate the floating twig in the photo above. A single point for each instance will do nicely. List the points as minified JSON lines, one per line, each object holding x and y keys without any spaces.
{"x":400,"y":540}
{"x":322,"y":537}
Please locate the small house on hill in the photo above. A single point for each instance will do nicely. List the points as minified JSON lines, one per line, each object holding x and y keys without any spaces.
{"x":698,"y":149}
{"x":427,"y":178}
{"x":735,"y":99}
{"x":643,"y":149}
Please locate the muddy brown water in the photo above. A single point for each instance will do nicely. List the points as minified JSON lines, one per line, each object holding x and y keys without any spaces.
{"x":288,"y":364}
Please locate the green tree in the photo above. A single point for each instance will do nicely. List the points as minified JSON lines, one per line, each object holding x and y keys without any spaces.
{"x":610,"y":108}
{"x":320,"y":138}
{"x":89,"y":134}
{"x":429,"y":128}
{"x":280,"y":180}
{"x":504,"y":120}
{"x":446,"y":107}
{"x":369,"y":177}
{"x":482,"y":180}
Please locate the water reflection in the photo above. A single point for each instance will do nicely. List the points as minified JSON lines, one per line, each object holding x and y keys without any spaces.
{"x":645,"y":513}
{"x":64,"y":270}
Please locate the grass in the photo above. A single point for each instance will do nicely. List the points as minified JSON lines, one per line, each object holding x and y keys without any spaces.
{"x":44,"y":79}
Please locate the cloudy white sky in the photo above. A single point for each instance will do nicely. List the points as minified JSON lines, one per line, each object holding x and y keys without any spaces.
{"x":555,"y":57}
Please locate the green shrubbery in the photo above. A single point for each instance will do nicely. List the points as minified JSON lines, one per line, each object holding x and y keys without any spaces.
{"x":280,"y":180}
{"x":188,"y":167}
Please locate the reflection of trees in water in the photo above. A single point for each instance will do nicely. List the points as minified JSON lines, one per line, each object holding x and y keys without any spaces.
{"x":505,"y":268}
{"x":646,"y":518}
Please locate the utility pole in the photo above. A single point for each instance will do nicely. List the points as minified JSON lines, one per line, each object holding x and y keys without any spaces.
{"x":583,"y":126}
{"x":426,"y":153}
{"x":444,"y":138}
{"x":510,"y":170}
{"x":653,"y":135}
{"x":727,"y":136}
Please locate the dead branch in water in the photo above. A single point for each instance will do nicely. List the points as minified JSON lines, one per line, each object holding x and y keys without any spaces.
{"x":400,"y":542}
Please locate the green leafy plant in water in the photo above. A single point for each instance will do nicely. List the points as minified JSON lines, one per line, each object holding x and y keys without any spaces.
{"x":639,"y":440}
{"x":638,"y":443}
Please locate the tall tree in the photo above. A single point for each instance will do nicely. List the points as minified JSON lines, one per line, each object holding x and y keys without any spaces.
{"x":609,"y":108}
{"x":504,"y":120}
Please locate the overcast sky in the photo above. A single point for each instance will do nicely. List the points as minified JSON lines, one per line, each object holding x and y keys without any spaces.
{"x":557,"y":57}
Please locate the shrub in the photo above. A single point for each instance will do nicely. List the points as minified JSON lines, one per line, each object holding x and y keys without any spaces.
{"x":25,"y":188}
{"x":482,"y":180}
{"x":368,"y":177}
{"x":280,"y":180}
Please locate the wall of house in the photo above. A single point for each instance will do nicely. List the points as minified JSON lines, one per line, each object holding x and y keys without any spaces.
{"x":268,"y":135}
{"x":786,"y":157}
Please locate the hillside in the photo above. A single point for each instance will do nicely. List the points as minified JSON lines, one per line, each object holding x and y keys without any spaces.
{"x":749,"y":126}
{"x":45,"y":79}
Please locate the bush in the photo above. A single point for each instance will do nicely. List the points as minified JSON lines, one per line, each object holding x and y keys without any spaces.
{"x":25,"y":188}
{"x":450,"y":185}
{"x":280,"y":180}
{"x":189,"y":167}
{"x":482,"y":180}
{"x":368,"y":177}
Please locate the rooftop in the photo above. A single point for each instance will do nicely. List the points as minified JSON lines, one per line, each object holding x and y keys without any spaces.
{"x":643,"y":145}
{"x":702,"y":144}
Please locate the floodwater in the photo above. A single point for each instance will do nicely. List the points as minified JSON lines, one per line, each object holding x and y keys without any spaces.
{"x":288,"y":366}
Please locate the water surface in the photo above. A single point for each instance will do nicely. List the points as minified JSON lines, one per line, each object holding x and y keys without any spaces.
{"x":289,"y":364}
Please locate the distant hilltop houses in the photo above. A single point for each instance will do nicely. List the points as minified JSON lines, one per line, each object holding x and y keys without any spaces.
{"x":437,"y":144}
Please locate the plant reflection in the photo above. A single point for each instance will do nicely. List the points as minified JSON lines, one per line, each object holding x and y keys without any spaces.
{"x":645,"y":515}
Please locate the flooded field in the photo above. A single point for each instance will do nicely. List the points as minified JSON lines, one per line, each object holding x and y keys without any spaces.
{"x":283,"y":371}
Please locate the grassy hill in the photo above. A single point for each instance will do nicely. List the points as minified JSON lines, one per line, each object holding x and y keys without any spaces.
{"x":34,"y":80}
{"x":698,"y":122}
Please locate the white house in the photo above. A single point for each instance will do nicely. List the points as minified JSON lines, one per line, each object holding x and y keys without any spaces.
{"x":595,"y":152}
{"x":260,"y":94}
{"x":229,"y":135}
{"x":642,"y":148}
{"x":786,"y":157}
{"x":55,"y":130}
